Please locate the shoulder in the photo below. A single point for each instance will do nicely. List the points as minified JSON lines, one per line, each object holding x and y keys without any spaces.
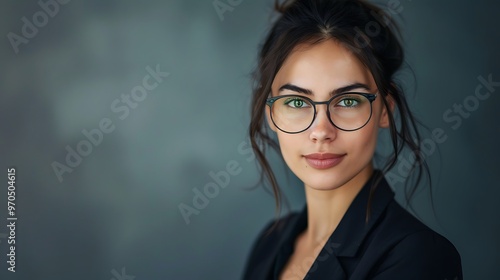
{"x":415,"y":249}
{"x":267,"y":243}
{"x":421,"y":255}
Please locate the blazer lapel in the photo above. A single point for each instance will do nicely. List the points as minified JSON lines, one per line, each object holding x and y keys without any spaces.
{"x":326,"y":266}
{"x":351,"y":231}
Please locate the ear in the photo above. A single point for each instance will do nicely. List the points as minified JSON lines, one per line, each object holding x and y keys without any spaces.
{"x":268,"y":118}
{"x":386,"y":110}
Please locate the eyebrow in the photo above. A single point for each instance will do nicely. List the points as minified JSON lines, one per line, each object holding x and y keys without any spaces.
{"x":343,"y":89}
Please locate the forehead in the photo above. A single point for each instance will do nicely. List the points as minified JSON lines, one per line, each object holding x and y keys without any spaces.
{"x":321,"y":68}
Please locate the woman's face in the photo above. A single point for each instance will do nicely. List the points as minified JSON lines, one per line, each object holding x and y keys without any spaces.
{"x":322,"y":69}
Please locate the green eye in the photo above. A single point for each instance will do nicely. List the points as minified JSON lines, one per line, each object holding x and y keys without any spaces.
{"x":298,"y":103}
{"x":348,"y":102}
{"x":295,"y":102}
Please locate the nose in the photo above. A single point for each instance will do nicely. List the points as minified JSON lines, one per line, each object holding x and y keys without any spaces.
{"x":322,"y":129}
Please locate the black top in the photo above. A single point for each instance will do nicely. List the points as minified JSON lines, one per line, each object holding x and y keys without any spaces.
{"x":392,"y":245}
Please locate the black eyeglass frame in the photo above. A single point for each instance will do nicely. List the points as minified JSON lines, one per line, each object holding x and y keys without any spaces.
{"x":370,"y":96}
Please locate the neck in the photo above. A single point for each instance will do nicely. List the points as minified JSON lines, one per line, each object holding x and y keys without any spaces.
{"x":325,"y":209}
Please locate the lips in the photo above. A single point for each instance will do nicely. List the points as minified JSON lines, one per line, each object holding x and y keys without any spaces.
{"x":323,"y":160}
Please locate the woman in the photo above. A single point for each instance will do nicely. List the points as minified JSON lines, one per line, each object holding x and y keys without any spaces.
{"x":325,"y":86}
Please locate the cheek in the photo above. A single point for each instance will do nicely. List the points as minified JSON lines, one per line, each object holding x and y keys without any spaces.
{"x":285,"y":143}
{"x":363,"y":141}
{"x":290,"y":146}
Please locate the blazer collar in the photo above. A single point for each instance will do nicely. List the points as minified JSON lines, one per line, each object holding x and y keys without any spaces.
{"x":349,"y":234}
{"x":353,"y":228}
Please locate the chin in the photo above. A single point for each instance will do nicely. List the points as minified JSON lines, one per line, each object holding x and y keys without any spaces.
{"x":326,"y":182}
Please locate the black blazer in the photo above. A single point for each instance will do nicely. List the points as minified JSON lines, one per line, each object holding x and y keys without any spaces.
{"x":392,"y":245}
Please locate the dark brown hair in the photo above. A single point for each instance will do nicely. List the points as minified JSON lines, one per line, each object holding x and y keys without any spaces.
{"x":373,"y":37}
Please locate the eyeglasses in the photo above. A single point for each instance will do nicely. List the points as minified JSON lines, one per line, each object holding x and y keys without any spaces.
{"x":296,"y":113}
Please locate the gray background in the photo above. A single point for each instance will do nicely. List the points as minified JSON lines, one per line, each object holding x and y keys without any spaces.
{"x":119,"y":208}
